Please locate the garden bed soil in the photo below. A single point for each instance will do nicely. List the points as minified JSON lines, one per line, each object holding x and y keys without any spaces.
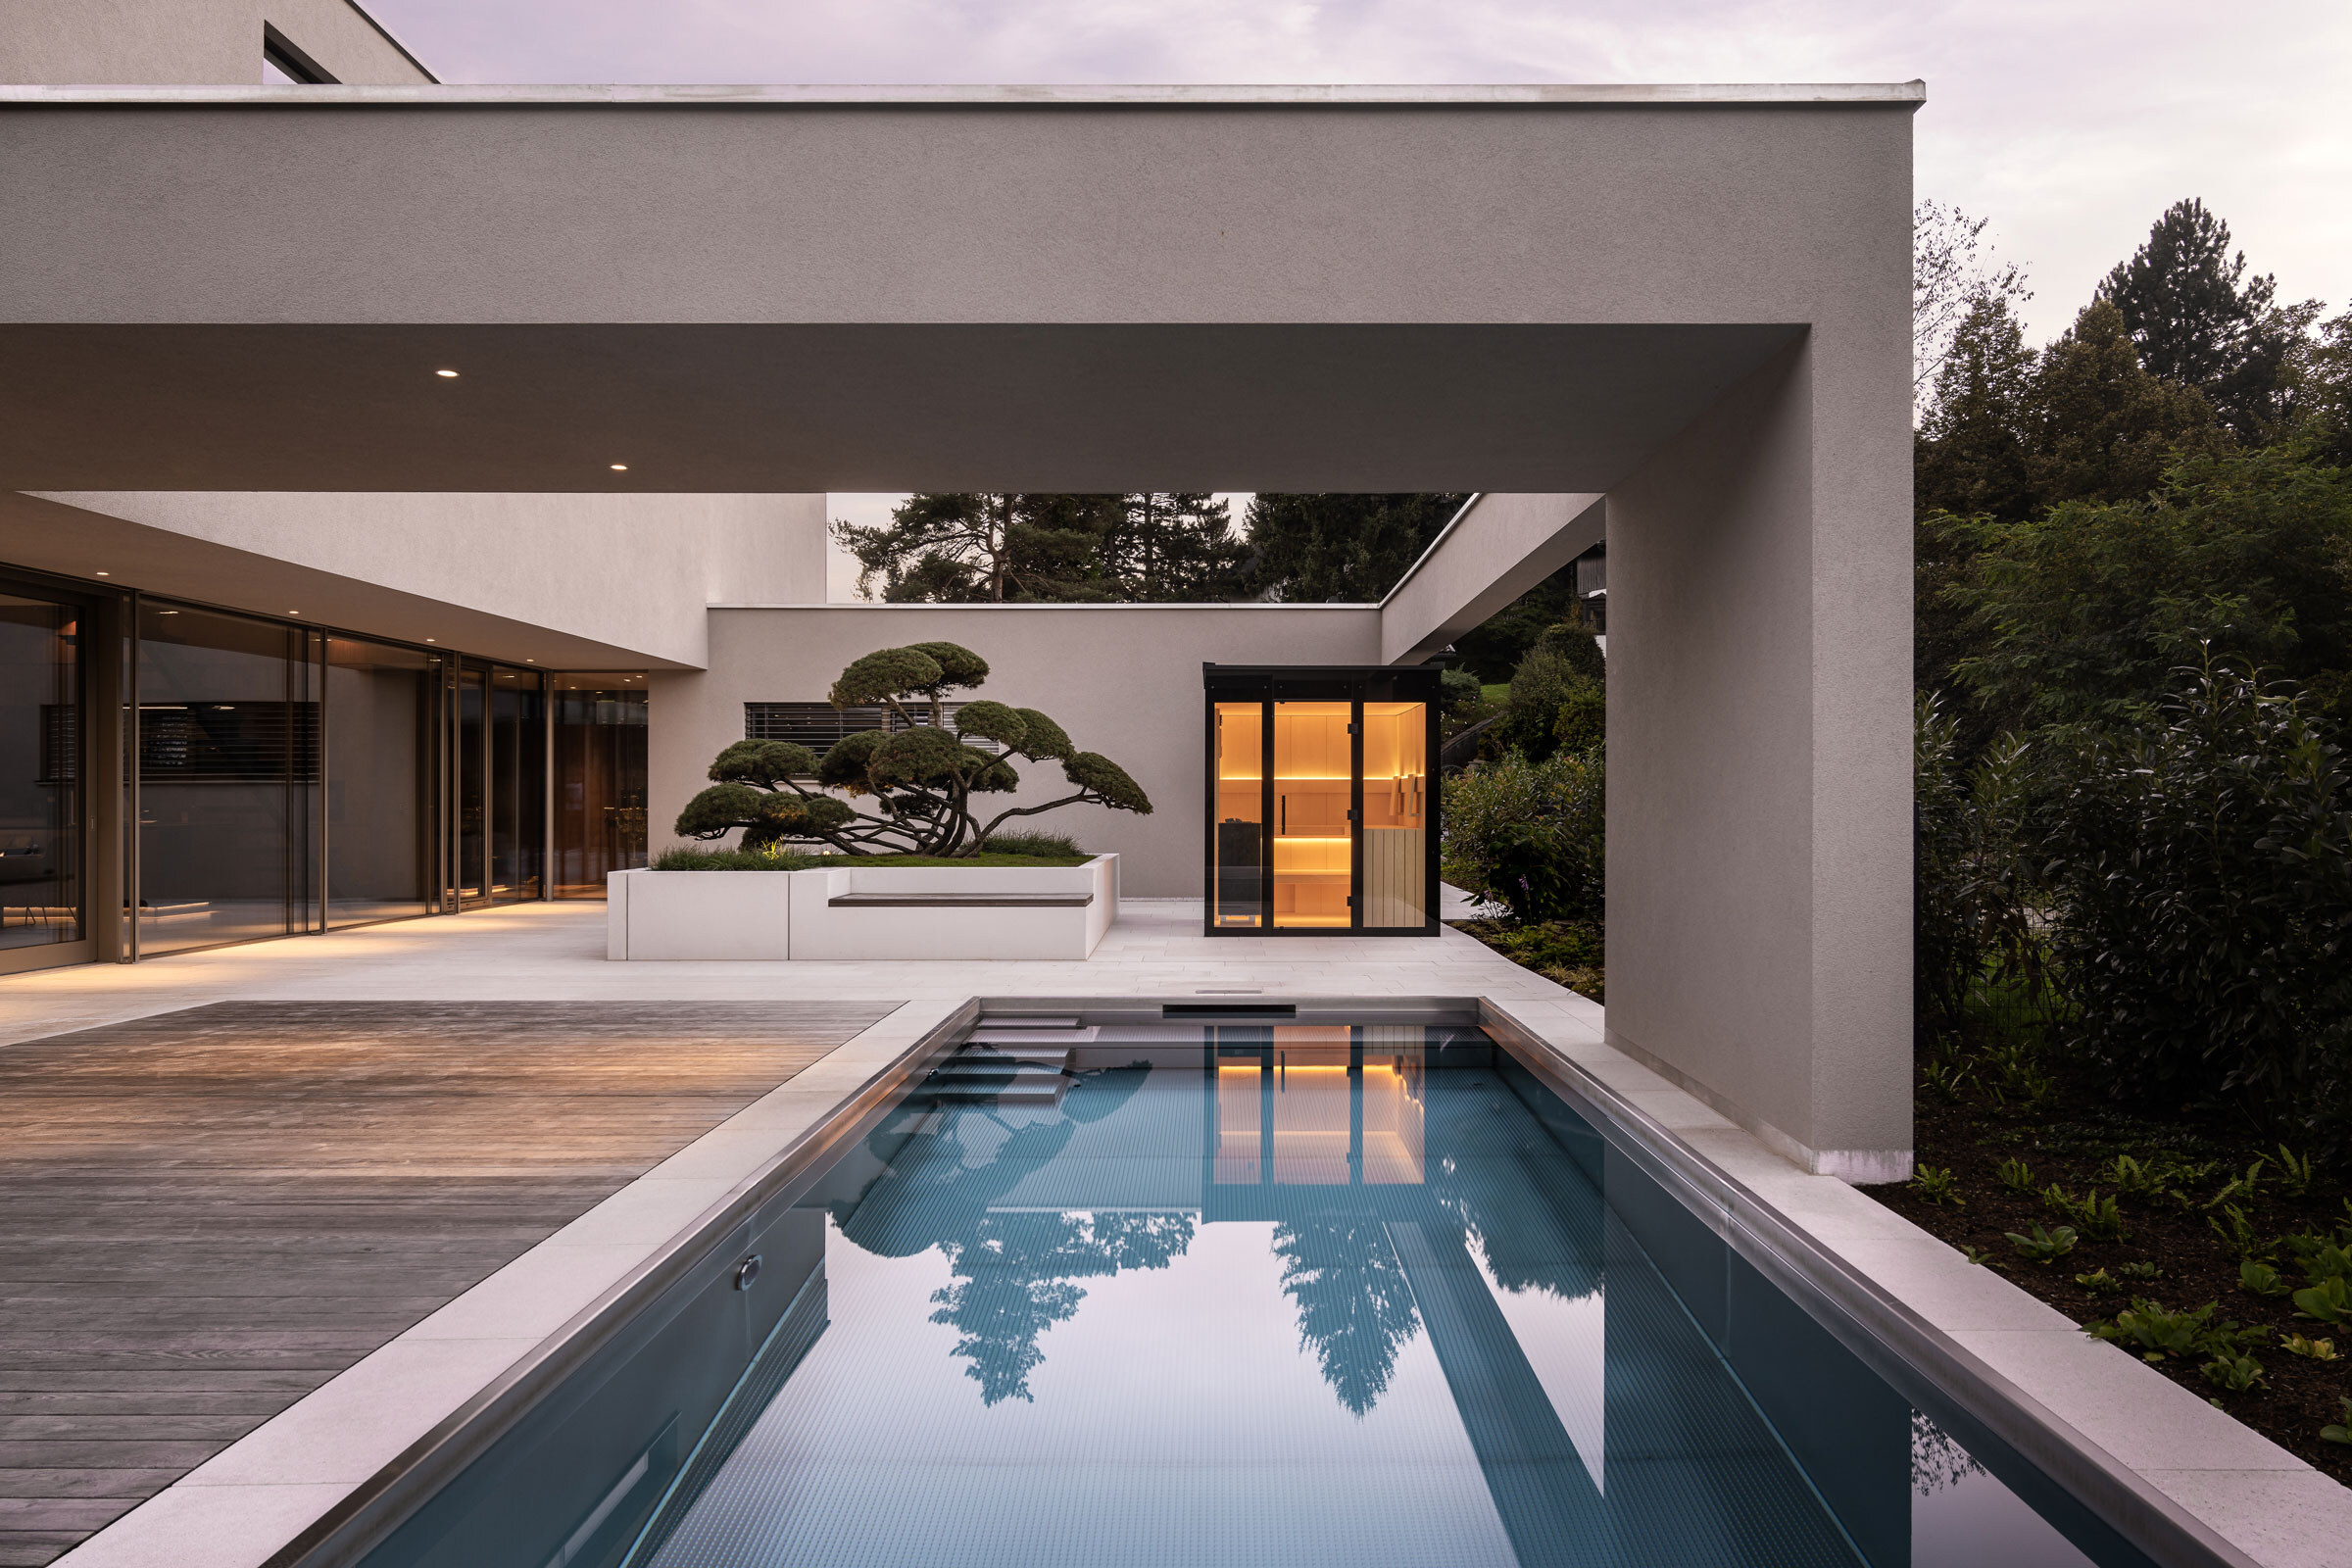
{"x":2073,"y":1143}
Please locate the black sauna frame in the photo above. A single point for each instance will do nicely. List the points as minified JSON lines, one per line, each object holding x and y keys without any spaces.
{"x":1354,"y":684}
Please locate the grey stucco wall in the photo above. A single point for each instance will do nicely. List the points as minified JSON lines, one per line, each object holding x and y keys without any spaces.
{"x":1124,"y":680}
{"x":1759,"y":788}
{"x":90,"y":42}
{"x":633,"y":573}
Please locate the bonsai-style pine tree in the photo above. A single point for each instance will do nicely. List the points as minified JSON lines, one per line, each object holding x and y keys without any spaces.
{"x":917,"y":782}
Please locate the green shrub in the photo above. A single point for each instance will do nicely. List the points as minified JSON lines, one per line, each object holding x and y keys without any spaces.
{"x":2200,"y":905}
{"x":1557,"y":698}
{"x":1975,"y":891}
{"x":1530,"y":835}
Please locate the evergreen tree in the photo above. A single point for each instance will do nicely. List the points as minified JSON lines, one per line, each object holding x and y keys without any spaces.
{"x":2198,"y":320}
{"x":2102,"y":428}
{"x":1340,"y":548}
{"x":2317,"y":380}
{"x":968,"y":548}
{"x":1972,"y":449}
{"x":1177,"y":547}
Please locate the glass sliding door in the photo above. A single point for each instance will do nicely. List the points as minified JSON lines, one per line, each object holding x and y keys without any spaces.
{"x":470,"y":786}
{"x":517,"y":784}
{"x":1237,"y":815}
{"x":600,"y":763}
{"x":41,"y":875}
{"x":383,"y":761}
{"x":1314,"y":829}
{"x":1395,"y":815}
{"x":227,"y":778}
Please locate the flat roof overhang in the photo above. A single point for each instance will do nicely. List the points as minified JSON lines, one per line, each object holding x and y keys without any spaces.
{"x":795,"y":290}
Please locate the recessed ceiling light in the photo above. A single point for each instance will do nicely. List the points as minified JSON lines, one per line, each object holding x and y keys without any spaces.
{"x":293,"y":611}
{"x":446,"y":375}
{"x":106,"y":575}
{"x":620,"y":467}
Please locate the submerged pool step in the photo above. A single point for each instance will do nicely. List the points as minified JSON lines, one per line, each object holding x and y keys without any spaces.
{"x":1019,"y":1076}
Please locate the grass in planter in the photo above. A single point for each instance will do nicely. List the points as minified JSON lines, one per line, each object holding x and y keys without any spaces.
{"x":681,"y":858}
{"x":2221,"y":1259}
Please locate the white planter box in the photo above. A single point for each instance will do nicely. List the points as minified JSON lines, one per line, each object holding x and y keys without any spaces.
{"x":902,"y":913}
{"x":698,"y":914}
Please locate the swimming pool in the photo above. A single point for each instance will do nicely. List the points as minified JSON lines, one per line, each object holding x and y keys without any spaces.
{"x":1231,"y":1290}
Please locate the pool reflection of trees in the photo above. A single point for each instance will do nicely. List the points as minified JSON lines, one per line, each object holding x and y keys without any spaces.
{"x":1492,"y":1173}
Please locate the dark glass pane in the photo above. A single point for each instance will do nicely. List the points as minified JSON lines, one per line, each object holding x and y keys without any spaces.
{"x":472,"y":787}
{"x":226,"y":731}
{"x":517,"y":784}
{"x":599,"y":780}
{"x":379,"y":707}
{"x":40,"y":773}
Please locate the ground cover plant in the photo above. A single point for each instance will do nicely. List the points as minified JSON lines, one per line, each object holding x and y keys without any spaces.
{"x":918,"y":778}
{"x":2223,"y":1262}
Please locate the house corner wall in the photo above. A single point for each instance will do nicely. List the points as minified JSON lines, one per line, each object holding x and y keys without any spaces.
{"x":1759,"y":904}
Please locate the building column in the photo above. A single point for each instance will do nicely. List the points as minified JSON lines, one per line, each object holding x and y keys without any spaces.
{"x":1759,"y":787}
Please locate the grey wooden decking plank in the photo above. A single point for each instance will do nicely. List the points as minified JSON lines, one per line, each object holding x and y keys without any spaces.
{"x":206,"y":1214}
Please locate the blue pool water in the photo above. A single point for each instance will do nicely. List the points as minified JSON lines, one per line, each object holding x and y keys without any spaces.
{"x":1290,"y":1294}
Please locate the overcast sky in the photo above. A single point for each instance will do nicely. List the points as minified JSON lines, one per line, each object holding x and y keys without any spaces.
{"x":2070,"y":124}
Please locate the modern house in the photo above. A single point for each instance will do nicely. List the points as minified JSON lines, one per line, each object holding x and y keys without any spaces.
{"x":435,"y":477}
{"x":405,"y":490}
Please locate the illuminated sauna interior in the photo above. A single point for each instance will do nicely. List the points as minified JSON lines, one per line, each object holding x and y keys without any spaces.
{"x":1290,"y":1114}
{"x":1313,"y":782}
{"x":1313,"y":838}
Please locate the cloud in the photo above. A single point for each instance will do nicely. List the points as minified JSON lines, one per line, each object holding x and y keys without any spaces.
{"x":2070,"y":125}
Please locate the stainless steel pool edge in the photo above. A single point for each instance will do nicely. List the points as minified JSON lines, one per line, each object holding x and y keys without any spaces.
{"x":1887,"y":1334}
{"x":367,"y":1514}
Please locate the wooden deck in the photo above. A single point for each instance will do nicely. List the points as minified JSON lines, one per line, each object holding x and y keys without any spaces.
{"x":208,"y":1214}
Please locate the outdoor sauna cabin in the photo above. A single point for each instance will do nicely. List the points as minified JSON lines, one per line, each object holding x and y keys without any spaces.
{"x":1322,"y":807}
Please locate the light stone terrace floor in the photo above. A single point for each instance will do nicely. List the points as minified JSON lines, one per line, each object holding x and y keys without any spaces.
{"x":234,"y":1511}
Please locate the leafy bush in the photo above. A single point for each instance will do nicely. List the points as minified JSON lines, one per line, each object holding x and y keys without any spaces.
{"x":1558,"y":695}
{"x":920,"y":774}
{"x":1569,"y":952}
{"x":1975,"y":889}
{"x":1530,"y":835}
{"x":2200,"y":904}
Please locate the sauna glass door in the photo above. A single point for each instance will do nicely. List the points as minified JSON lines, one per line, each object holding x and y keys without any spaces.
{"x":1314,"y":817}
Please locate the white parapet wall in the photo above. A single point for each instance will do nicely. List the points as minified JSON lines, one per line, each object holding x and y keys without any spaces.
{"x":854,"y":912}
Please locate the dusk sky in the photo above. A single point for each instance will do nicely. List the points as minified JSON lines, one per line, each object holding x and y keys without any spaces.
{"x":2070,"y":124}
